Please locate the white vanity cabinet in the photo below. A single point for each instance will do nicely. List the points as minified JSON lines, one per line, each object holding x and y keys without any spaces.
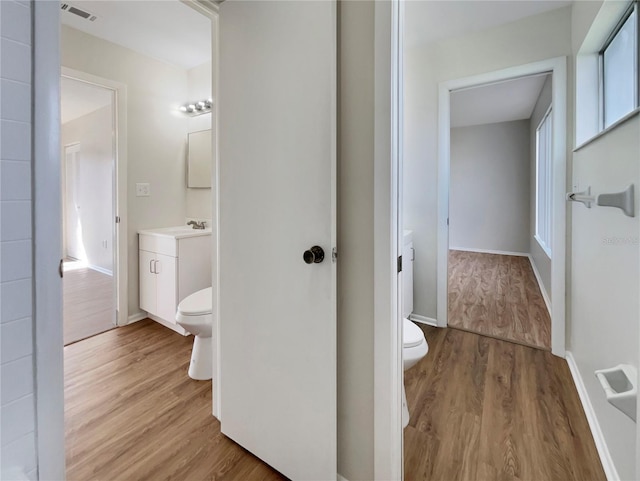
{"x":174,"y":262}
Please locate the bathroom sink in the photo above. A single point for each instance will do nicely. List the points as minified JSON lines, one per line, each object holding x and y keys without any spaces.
{"x":177,"y":232}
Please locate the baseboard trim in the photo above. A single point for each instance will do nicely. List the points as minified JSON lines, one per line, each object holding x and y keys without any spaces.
{"x":489,"y":251}
{"x":429,"y":321}
{"x":100,"y":269}
{"x":138,"y":316}
{"x":601,"y":444}
{"x":545,"y":295}
{"x":341,"y":478}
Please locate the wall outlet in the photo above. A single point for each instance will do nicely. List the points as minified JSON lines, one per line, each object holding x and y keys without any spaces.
{"x":143,"y":190}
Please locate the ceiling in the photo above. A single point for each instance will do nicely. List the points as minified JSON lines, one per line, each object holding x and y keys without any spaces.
{"x":170,"y":31}
{"x":80,"y":98}
{"x":165,"y":30}
{"x":497,"y":102}
{"x":429,"y":21}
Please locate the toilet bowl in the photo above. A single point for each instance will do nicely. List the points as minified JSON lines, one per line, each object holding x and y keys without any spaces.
{"x":195,"y":316}
{"x":414,"y":344}
{"x":414,"y":348}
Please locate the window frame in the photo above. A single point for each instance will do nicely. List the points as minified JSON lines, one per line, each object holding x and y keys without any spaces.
{"x":545,"y":244}
{"x":633,"y":7}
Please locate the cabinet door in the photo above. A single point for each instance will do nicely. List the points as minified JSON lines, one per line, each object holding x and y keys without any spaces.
{"x":165,"y":267}
{"x":148,"y":296}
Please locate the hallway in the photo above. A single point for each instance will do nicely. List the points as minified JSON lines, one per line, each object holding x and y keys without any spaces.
{"x":89,"y":302}
{"x":497,"y":296}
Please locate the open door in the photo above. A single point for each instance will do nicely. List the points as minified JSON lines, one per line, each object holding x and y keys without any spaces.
{"x":277,"y":181}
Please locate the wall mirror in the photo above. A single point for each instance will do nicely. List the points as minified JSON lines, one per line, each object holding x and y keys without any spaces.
{"x":199,"y":160}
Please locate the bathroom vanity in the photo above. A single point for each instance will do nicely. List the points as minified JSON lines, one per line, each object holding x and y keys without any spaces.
{"x":174,"y":263}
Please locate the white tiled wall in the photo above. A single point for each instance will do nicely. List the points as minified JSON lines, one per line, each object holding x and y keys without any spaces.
{"x":17,"y":411}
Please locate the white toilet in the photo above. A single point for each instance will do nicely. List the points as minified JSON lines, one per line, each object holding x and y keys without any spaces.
{"x":194,"y":315}
{"x":414,"y":344}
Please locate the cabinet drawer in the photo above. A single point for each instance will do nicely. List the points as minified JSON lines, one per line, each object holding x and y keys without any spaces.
{"x":160,"y":244}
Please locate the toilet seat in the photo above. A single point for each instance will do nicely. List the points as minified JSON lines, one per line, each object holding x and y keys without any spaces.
{"x":414,"y":344}
{"x":197,"y":304}
{"x":412,"y":335}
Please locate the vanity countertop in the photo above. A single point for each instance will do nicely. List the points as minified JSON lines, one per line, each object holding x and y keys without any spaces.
{"x":178,"y":232}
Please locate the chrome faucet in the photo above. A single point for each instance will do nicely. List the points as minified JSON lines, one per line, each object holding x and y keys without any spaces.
{"x":196,"y":224}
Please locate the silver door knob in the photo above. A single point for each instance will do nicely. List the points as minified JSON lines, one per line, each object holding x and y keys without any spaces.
{"x":315,"y":255}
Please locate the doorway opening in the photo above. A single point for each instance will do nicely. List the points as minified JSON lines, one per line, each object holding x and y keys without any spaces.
{"x":465,"y":384}
{"x":499,"y":259}
{"x":88,"y":208}
{"x":551,"y":181}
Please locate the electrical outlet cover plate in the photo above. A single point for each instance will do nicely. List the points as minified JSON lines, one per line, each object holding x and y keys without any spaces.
{"x":143,"y":190}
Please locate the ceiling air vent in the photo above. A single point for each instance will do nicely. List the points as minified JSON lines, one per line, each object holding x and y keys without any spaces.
{"x":77,"y":11}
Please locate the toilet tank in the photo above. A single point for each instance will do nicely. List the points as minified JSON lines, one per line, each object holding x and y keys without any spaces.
{"x":408,"y":255}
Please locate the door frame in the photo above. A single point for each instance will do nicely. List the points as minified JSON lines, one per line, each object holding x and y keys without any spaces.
{"x":119,"y":188}
{"x":215,"y":221}
{"x":47,"y":240}
{"x":388,"y":367}
{"x":558,"y":67}
{"x":210,"y":9}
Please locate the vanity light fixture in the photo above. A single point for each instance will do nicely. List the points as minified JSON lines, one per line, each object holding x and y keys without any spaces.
{"x":197,"y":108}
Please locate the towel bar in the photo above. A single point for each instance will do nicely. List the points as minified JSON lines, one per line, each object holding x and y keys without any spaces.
{"x":624,"y":200}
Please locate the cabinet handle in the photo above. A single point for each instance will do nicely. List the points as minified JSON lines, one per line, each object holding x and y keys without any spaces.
{"x":155,"y":266}
{"x":151,"y":267}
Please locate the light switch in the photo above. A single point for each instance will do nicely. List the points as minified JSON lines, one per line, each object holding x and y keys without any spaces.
{"x":143,"y":190}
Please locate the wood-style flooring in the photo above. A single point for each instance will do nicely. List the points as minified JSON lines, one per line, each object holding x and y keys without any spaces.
{"x":133,"y":414}
{"x":485,"y":409}
{"x":497,"y":296}
{"x":88,"y":302}
{"x":481,"y":409}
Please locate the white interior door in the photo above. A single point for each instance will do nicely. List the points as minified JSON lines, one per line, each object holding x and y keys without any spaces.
{"x":73,"y":227}
{"x":277,"y":131}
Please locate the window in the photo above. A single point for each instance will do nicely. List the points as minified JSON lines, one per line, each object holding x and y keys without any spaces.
{"x":544,"y":164}
{"x":619,"y":69}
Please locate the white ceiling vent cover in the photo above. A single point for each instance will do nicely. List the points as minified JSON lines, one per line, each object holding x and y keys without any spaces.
{"x":66,"y":7}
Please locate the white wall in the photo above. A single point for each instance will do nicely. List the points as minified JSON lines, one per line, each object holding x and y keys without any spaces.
{"x":95,"y":182}
{"x":489,"y":193}
{"x":603,"y":330}
{"x":605,"y":281}
{"x":528,"y":40}
{"x":17,"y":408}
{"x":157,"y":132}
{"x":539,"y":257}
{"x":199,"y":85}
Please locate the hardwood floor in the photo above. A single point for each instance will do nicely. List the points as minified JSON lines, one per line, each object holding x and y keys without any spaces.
{"x":484,"y":409}
{"x":132,"y":413}
{"x":88,"y":302}
{"x":497,"y":296}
